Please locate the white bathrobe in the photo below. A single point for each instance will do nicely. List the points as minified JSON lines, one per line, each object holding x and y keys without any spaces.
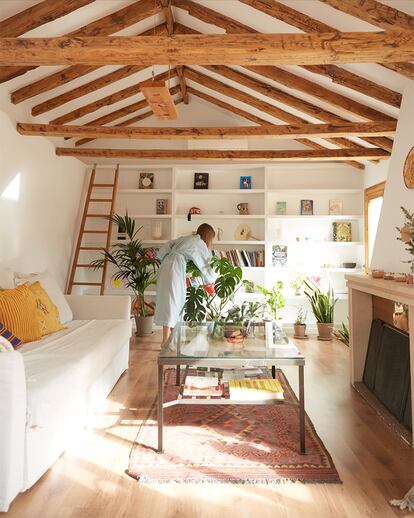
{"x":171,"y":285}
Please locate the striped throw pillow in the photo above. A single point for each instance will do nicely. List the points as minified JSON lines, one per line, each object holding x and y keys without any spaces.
{"x":8,"y":335}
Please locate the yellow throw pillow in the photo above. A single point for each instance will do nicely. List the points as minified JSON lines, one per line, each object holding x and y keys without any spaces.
{"x":47,"y":312}
{"x":18,"y":313}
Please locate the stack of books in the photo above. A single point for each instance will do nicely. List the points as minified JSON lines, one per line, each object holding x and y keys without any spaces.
{"x":202,"y":386}
{"x":247,"y":258}
{"x":255,"y":389}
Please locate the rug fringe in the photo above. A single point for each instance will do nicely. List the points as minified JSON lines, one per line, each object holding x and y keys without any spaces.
{"x":405,"y":503}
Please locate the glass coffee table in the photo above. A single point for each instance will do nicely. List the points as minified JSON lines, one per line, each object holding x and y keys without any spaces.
{"x":193,"y":346}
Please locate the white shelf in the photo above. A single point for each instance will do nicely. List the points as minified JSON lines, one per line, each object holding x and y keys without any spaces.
{"x":222,"y":216}
{"x":144,"y":191}
{"x":304,"y":242}
{"x":257,"y":268}
{"x":150,"y":216}
{"x":246,"y":242}
{"x":155,"y":241}
{"x":327,"y":217}
{"x":316,"y":191}
{"x":219,"y":191}
{"x":339,"y":296}
{"x":244,"y":295}
{"x":317,"y":270}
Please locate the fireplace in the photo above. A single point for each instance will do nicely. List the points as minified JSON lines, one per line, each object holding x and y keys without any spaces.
{"x":382,"y":357}
{"x":387,"y":370}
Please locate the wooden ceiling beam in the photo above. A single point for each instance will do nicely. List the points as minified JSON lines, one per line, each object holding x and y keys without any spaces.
{"x":37,"y":15}
{"x":109,"y":99}
{"x":296,"y":19}
{"x":212,"y":49}
{"x":405,"y":69}
{"x":232,"y":155}
{"x":108,"y":24}
{"x":258,"y":120}
{"x":271,"y":131}
{"x":294,"y":102}
{"x":375,"y":13}
{"x":96,"y":84}
{"x":127,"y":122}
{"x":169,"y":18}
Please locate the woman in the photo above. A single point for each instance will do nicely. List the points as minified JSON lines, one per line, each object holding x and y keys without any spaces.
{"x":171,"y":285}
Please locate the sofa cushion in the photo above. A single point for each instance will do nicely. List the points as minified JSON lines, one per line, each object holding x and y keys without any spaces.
{"x":18,"y":313}
{"x":47,"y":312}
{"x":66,"y":363}
{"x":52,"y":288}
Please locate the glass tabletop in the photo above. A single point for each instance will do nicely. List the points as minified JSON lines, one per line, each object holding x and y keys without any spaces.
{"x":208,"y":345}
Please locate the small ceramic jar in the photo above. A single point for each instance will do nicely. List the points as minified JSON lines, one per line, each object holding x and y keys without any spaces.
{"x":400,"y":277}
{"x":377,"y":274}
{"x":388,"y":276}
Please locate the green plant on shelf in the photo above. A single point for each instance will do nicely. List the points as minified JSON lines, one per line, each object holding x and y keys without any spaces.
{"x":407,"y":235}
{"x":248,"y":286}
{"x":275,"y":299}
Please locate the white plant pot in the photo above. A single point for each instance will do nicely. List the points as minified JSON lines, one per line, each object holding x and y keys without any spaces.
{"x":144,"y":325}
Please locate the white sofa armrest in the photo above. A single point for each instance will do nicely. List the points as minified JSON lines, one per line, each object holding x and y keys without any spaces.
{"x":96,"y":307}
{"x":12,"y":426}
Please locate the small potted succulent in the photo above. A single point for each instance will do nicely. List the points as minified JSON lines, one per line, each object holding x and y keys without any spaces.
{"x":299,"y":325}
{"x":322,"y":304}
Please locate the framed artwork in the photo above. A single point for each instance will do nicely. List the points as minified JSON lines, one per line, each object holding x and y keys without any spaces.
{"x":201,"y":180}
{"x":306,"y":207}
{"x":146,"y":180}
{"x":121,"y":233}
{"x":245,"y":182}
{"x":335,"y":207}
{"x":341,"y":231}
{"x":281,"y":208}
{"x":279,"y":256}
{"x":409,"y":170}
{"x":161,"y":206}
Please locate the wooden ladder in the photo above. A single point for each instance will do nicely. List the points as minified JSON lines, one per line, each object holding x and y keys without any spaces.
{"x":87,"y":215}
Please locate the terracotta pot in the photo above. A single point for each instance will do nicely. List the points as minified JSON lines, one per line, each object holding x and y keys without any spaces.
{"x":325,"y":330}
{"x":144,"y":325}
{"x":300,"y":329}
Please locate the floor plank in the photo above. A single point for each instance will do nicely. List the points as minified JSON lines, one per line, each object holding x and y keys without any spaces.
{"x":89,"y":480}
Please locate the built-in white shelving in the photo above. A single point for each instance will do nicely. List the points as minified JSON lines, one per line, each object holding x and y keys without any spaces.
{"x":309,"y":239}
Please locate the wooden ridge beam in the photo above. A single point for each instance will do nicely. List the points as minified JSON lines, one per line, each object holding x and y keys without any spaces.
{"x":208,"y":154}
{"x":258,"y":120}
{"x":304,"y":106}
{"x":108,"y":24}
{"x":37,"y":15}
{"x":215,"y":49}
{"x":297,"y":19}
{"x":169,"y":18}
{"x":272,"y":131}
{"x":96,"y":84}
{"x":374,"y":12}
{"x":109,"y":99}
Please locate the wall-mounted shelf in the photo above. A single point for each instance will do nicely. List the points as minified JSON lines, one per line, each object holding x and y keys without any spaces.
{"x":326,"y":217}
{"x":144,"y":191}
{"x":222,"y":216}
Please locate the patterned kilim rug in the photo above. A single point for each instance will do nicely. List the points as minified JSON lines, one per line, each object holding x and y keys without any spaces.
{"x":226,"y":443}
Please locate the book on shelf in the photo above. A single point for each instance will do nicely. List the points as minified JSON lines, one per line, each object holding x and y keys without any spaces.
{"x":255,"y":389}
{"x":244,"y":258}
{"x":202,"y":386}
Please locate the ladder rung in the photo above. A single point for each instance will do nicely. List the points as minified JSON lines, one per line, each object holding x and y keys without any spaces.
{"x":87,"y":284}
{"x":91,"y":248}
{"x":87,"y":266}
{"x":97,"y":215}
{"x":103,"y":185}
{"x":95,"y":232}
{"x":106,"y":200}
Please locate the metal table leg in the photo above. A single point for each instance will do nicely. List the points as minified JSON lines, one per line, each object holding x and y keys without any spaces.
{"x":302,"y":409}
{"x":178,"y":375}
{"x":160,"y":415}
{"x":274,"y":371}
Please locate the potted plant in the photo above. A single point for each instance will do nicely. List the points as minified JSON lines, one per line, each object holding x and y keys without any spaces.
{"x":322,"y":304}
{"x":275,"y":300}
{"x":299,"y":325}
{"x":297,"y":284}
{"x":407,"y":236}
{"x":201,"y":305}
{"x":342,"y":334}
{"x":136,"y":266}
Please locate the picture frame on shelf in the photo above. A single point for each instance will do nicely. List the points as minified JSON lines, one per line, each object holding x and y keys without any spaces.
{"x":161,"y":206}
{"x":281,"y":208}
{"x":341,"y":232}
{"x":121,"y":233}
{"x":306,"y":207}
{"x":245,"y":182}
{"x":279,"y":256}
{"x":335,"y":207}
{"x":201,"y":180}
{"x":146,"y":180}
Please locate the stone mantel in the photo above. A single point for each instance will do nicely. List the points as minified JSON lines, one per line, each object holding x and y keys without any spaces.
{"x":361,"y":288}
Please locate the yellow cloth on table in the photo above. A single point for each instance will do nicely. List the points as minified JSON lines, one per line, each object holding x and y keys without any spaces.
{"x":47,"y":312}
{"x":18,"y":313}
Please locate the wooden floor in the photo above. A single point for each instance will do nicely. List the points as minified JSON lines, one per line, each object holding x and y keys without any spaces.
{"x":89,"y":479}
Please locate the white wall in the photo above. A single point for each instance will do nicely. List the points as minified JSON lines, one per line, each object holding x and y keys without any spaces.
{"x":37,"y":229}
{"x":376,"y":173}
{"x":388,"y":252}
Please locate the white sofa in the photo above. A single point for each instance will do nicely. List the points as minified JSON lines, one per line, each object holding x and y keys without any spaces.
{"x":49,"y":388}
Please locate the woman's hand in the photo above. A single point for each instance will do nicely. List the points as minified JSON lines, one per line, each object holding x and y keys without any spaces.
{"x":210,"y":289}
